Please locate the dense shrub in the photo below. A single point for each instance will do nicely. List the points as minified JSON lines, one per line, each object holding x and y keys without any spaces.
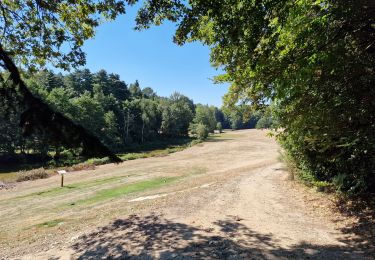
{"x":98,"y":161}
{"x":264,"y":122}
{"x":202,"y":131}
{"x":81,"y":167}
{"x":219,"y":127}
{"x":34,"y":174}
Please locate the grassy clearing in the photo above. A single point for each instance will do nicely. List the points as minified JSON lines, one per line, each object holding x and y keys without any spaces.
{"x":51,"y":223}
{"x":147,"y":153}
{"x":198,"y":170}
{"x":68,"y":188}
{"x":155,"y":153}
{"x":161,"y":144}
{"x":225,"y":135}
{"x":8,"y":176}
{"x":157,"y":148}
{"x":122,"y":190}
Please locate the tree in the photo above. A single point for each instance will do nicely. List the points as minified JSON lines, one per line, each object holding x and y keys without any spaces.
{"x":148,"y":93}
{"x":202,"y":131}
{"x":312,"y":59}
{"x":205,"y":115}
{"x":110,"y":130}
{"x":264,"y":123}
{"x":38,"y":32}
{"x":118,"y":87}
{"x":79,"y":80}
{"x":135,"y":90}
{"x":151,"y":118}
{"x":177,"y":115}
{"x":219,"y":127}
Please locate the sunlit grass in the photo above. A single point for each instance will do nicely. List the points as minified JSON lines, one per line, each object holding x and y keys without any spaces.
{"x":122,"y":190}
{"x":72,"y":187}
{"x":51,"y":223}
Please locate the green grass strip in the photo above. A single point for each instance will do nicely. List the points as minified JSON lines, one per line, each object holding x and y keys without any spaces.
{"x":124,"y":190}
{"x":51,"y":223}
{"x":71,"y":187}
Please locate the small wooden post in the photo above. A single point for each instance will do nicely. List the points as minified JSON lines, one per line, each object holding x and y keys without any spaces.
{"x":61,"y":172}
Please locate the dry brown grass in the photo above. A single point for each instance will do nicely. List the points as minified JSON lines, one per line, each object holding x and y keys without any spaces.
{"x":81,"y":166}
{"x":34,"y":174}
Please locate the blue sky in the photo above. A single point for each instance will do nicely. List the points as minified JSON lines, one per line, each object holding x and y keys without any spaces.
{"x":151,"y":57}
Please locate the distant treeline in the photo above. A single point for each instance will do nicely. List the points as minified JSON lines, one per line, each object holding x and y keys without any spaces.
{"x":119,"y":114}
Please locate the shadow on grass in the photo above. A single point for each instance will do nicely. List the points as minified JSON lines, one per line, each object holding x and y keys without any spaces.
{"x":17,"y":162}
{"x":158,"y":144}
{"x":215,"y":140}
{"x":153,"y":237}
{"x":10,"y":164}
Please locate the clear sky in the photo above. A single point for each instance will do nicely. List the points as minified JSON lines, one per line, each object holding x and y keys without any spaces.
{"x":154,"y":60}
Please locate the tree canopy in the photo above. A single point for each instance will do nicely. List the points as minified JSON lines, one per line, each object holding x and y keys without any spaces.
{"x":34,"y":33}
{"x":314,"y":60}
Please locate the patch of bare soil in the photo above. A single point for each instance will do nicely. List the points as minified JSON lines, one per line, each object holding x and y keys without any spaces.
{"x":237,"y":203}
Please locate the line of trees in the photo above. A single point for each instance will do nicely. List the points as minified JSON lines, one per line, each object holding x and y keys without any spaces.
{"x":119,"y":114}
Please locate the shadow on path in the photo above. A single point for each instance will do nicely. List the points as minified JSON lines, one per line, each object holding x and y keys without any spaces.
{"x":153,"y":237}
{"x":363,"y":210}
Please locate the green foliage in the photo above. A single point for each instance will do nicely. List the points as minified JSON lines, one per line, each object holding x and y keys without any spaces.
{"x":102,"y":103}
{"x":219,"y":127}
{"x":240,"y":117}
{"x":177,"y":113}
{"x":264,"y":122}
{"x":98,"y":161}
{"x":205,"y":115}
{"x":37,"y":32}
{"x":312,"y":60}
{"x":202,"y":131}
{"x":51,"y":223}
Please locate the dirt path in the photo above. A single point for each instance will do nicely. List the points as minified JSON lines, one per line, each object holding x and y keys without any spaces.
{"x":229,"y":198}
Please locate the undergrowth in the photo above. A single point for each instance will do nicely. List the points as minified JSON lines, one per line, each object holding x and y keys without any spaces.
{"x":305,"y":177}
{"x":35,"y":174}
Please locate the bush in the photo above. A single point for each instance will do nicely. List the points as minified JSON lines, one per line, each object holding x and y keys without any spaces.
{"x":202,"y":131}
{"x":81,"y":167}
{"x":219,"y":127}
{"x":195,"y":142}
{"x":199,"y":130}
{"x":133,"y":156}
{"x":34,"y":174}
{"x":98,"y":161}
{"x":264,"y":123}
